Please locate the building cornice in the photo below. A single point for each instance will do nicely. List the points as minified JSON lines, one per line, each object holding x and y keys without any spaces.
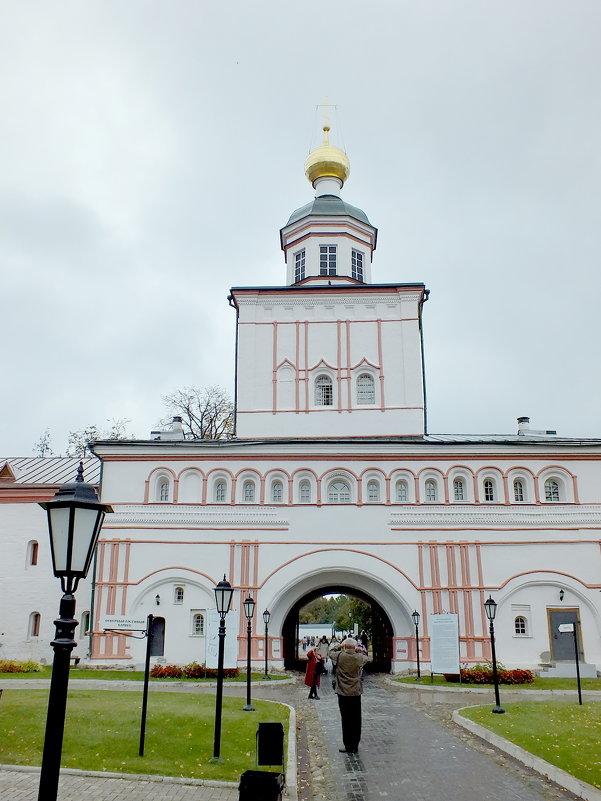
{"x":213,"y":517}
{"x":547,"y":517}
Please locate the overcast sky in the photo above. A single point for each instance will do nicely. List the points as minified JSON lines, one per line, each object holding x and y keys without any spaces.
{"x":150,"y":151}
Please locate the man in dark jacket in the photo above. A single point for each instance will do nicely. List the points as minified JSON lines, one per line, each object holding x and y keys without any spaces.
{"x":349,"y":659}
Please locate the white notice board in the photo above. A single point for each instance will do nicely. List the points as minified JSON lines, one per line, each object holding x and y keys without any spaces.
{"x":444,"y":643}
{"x":230,"y":652}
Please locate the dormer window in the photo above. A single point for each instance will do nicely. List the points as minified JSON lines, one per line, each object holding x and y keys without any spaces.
{"x":327,"y":259}
{"x":299,"y":265}
{"x":357,"y":265}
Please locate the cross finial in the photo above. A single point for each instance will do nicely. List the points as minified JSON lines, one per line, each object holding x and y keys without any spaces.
{"x":326,"y":105}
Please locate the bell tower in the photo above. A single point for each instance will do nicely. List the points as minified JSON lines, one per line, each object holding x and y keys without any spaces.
{"x":330,"y":354}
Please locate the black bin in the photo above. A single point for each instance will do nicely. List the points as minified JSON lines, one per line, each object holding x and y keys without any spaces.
{"x":259,"y":785}
{"x":270,"y":744}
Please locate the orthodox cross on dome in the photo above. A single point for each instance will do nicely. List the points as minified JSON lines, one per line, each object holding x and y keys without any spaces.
{"x":326,"y":162}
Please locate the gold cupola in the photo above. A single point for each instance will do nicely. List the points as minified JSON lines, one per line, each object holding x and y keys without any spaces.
{"x":327,"y":161}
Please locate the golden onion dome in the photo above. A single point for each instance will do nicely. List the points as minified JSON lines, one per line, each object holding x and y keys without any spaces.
{"x":327,"y":161}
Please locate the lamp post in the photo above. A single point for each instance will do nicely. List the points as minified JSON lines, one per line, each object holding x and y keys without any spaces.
{"x":223,"y":601}
{"x":491,"y":610}
{"x":415,"y":616}
{"x":75,"y":517}
{"x":266,"y":616}
{"x":249,"y":610}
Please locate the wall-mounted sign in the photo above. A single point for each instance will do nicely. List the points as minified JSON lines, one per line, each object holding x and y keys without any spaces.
{"x":564,"y":628}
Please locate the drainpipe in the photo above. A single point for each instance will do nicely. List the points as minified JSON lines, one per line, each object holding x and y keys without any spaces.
{"x":424,"y":298}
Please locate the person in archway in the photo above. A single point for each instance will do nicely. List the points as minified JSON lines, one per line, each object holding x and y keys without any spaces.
{"x":323,"y":646}
{"x":349,"y":659}
{"x":315,"y":667}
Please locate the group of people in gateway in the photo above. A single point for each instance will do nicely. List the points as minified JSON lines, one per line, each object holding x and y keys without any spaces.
{"x":347,"y":660}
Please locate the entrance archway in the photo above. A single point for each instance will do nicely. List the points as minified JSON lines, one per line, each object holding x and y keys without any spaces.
{"x":381,"y":634}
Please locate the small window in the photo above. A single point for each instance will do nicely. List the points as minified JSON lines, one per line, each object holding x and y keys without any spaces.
{"x":357,"y":265}
{"x":277,"y":492}
{"x":339,"y":492}
{"x":324,"y":392}
{"x":84,"y":626}
{"x":34,"y":625}
{"x":518,"y":490}
{"x":431,"y":491}
{"x":373,"y":492}
{"x":178,"y":595}
{"x":299,"y":265}
{"x":366,"y":392}
{"x":520,"y":626}
{"x":304,"y":492}
{"x":458,"y":489}
{"x":327,"y":259}
{"x":551,"y":490}
{"x":32,"y":552}
{"x":249,"y":491}
{"x":198,"y":625}
{"x":402,"y":491}
{"x":164,"y":490}
{"x":220,"y":492}
{"x":489,"y":490}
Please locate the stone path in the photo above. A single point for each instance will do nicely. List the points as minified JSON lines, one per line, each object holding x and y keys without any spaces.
{"x":410,"y":751}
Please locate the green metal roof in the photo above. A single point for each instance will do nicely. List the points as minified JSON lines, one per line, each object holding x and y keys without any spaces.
{"x":327,"y":206}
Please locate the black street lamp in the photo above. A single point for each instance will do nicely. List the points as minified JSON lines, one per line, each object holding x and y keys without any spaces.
{"x":415,"y":616}
{"x":249,"y":610}
{"x":223,"y":601}
{"x":75,"y":517}
{"x":266,"y":616}
{"x":491,"y":610}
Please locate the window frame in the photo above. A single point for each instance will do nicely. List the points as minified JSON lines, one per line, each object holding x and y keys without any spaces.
{"x":299,"y":265}
{"x":219,"y":484}
{"x":555,"y":490}
{"x":359,"y":390}
{"x":459,"y":486}
{"x":305,"y":484}
{"x":327,"y":259}
{"x":322,"y":383}
{"x":429,"y":485}
{"x":246,"y":484}
{"x":371,"y":484}
{"x":357,"y":258}
{"x":518,"y":491}
{"x":489,"y":490}
{"x":277,"y":482}
{"x":179,"y":592}
{"x":202,"y":632}
{"x":338,"y":499}
{"x":522,"y":625}
{"x":33,"y":625}
{"x":163,"y":483}
{"x":401,"y":482}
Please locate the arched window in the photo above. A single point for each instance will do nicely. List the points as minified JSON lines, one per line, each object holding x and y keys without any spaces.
{"x":304,"y":491}
{"x":518,"y":490}
{"x":198,"y":625}
{"x":458,"y":489}
{"x":220,"y":488}
{"x":32,"y":552}
{"x":339,"y":492}
{"x":84,"y":626}
{"x":402,"y":491}
{"x":33,"y":629}
{"x":277,"y":492}
{"x":520,"y":627}
{"x":552,"y":490}
{"x":366,"y":392}
{"x":163,"y":490}
{"x":248,"y":491}
{"x":178,"y":595}
{"x":324,"y":393}
{"x":431,"y":491}
{"x":373,"y":491}
{"x":489,"y":489}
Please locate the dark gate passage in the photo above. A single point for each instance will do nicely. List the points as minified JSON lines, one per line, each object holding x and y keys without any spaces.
{"x":381,"y":634}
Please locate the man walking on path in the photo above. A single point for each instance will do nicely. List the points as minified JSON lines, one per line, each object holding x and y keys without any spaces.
{"x":348,"y":660}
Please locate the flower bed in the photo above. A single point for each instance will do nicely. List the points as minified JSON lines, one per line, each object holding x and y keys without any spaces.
{"x":13,"y":666}
{"x":191,"y":671}
{"x":483,"y":674}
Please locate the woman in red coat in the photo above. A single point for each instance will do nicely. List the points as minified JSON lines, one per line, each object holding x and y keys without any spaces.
{"x":314,"y":671}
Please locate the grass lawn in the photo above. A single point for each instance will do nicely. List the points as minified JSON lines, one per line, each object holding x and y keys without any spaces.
{"x":537,"y":684}
{"x":122,"y":675}
{"x":565,"y":734}
{"x":102,"y":733}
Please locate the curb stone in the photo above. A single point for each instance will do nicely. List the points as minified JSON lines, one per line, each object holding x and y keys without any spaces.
{"x":580,"y":788}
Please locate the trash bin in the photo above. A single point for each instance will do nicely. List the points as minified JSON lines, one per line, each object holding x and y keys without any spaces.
{"x":270,"y":744}
{"x":260,"y":785}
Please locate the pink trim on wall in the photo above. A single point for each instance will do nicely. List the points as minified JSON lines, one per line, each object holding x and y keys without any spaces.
{"x":381,"y":366}
{"x":297,"y":334}
{"x":306,"y":366}
{"x":349,"y":381}
{"x":338,"y":363}
{"x":445,"y":484}
{"x":125,"y":577}
{"x":575,"y":489}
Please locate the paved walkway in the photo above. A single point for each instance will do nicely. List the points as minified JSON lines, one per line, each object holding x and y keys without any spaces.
{"x":410,"y":751}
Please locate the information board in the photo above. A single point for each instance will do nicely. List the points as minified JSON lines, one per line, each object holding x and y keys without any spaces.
{"x":444,"y":643}
{"x":230,"y":653}
{"x":124,"y":623}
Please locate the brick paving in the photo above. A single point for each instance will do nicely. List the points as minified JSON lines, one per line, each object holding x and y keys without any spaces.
{"x":410,"y":751}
